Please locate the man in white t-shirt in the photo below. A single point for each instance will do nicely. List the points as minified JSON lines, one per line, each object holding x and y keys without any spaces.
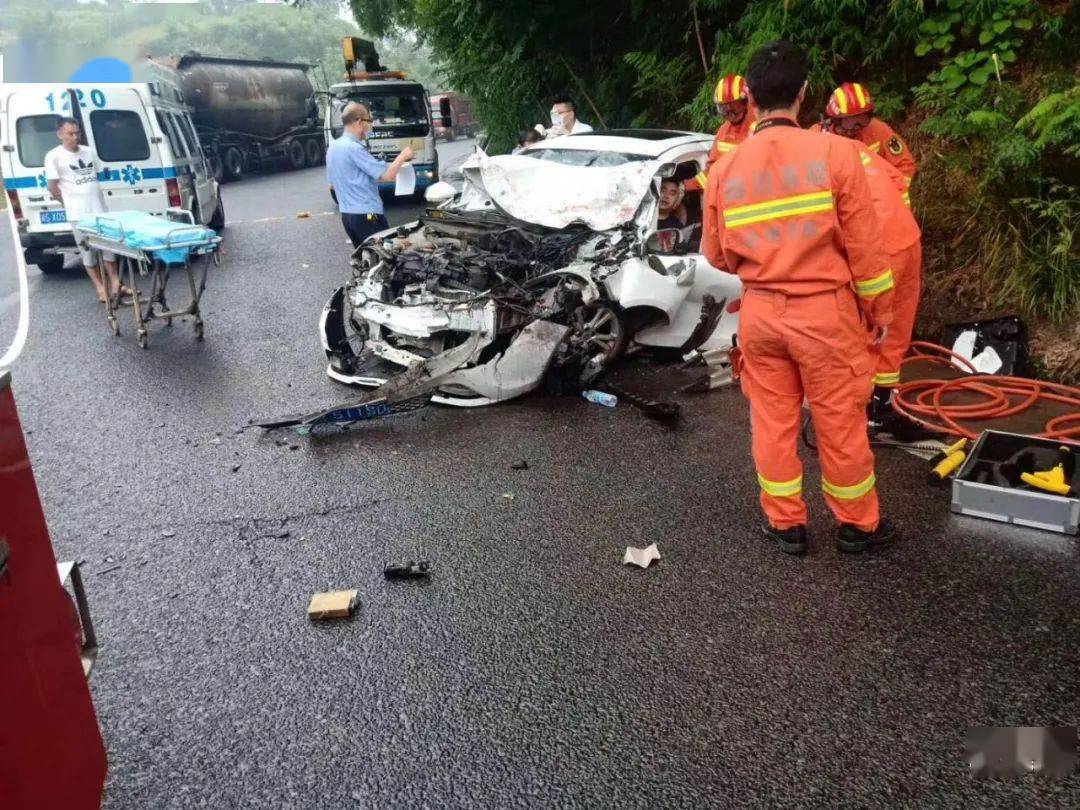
{"x":71,"y":171}
{"x":564,"y":119}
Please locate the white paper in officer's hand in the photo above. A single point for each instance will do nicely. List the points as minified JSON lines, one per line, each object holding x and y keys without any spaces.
{"x":406,"y":181}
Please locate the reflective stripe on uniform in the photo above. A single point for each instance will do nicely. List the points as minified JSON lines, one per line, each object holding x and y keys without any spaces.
{"x":849,"y":493}
{"x":875,"y":146}
{"x":907,"y":199}
{"x":702,"y":179}
{"x":887,"y":378}
{"x":841,"y":100}
{"x":725,"y":146}
{"x":778,"y":208}
{"x":865,"y":158}
{"x":875,"y":286}
{"x":781,"y":489}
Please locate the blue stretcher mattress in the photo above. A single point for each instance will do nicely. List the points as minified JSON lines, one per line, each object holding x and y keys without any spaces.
{"x":140,"y":230}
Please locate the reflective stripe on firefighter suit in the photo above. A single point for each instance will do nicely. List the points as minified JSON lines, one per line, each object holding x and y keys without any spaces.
{"x":727,"y":138}
{"x":902,"y":241}
{"x":791,"y":212}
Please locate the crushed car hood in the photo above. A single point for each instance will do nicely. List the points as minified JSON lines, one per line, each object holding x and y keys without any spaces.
{"x":541,"y":192}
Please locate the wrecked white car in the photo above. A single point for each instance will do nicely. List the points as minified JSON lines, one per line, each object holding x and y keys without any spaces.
{"x":548,"y":262}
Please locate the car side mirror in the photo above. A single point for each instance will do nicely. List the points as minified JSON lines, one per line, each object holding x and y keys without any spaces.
{"x":438,"y":193}
{"x":663,"y":241}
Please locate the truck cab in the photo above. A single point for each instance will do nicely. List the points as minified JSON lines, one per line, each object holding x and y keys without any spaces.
{"x":401,"y":117}
{"x":149,"y":155}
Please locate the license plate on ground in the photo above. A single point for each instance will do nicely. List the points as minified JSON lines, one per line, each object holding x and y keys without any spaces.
{"x":52,"y":217}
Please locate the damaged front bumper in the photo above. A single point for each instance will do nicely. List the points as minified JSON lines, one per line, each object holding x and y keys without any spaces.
{"x":368,"y":342}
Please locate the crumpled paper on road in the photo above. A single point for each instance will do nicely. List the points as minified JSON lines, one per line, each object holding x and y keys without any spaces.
{"x":642,"y":557}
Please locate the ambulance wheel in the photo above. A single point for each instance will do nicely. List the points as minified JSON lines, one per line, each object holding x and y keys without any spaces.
{"x":217,"y":221}
{"x":234,"y":163}
{"x":142,"y":340}
{"x":314,"y":150}
{"x":49,"y":263}
{"x":297,"y":154}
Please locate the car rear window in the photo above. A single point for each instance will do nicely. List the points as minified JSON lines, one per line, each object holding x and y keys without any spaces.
{"x":119,"y":135}
{"x":36,"y":135}
{"x":583,"y":157}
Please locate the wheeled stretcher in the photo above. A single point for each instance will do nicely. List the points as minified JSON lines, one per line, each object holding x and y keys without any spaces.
{"x":146,"y":245}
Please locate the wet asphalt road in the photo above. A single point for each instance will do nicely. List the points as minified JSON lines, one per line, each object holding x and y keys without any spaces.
{"x":533,"y":669}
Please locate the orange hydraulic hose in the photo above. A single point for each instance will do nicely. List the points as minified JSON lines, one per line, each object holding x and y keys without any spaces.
{"x":922,"y":401}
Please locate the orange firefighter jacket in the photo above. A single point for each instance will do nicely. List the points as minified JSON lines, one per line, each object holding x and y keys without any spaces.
{"x":792,"y":211}
{"x":727,"y":138}
{"x":881,"y":139}
{"x":892,"y":203}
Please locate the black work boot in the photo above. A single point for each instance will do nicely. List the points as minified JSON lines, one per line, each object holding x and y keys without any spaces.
{"x":791,"y":541}
{"x":879,"y":409}
{"x":852,"y":539}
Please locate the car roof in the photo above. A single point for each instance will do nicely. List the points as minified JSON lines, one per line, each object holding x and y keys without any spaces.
{"x":648,"y":142}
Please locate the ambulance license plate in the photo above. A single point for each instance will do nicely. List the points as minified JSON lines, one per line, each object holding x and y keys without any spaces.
{"x":52,"y":217}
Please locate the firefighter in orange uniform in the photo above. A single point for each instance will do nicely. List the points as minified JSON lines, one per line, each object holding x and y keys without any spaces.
{"x":902,"y":244}
{"x":791,"y":212}
{"x":850,"y":113}
{"x":731,"y":104}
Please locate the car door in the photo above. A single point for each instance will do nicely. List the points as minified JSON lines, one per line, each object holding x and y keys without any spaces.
{"x":118,"y":129}
{"x":202,"y":178}
{"x":183,"y":163}
{"x":32,"y":115}
{"x":707,"y":280}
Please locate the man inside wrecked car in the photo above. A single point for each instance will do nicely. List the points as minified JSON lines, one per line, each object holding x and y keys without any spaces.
{"x":792,"y":213}
{"x":354,"y":174}
{"x":674,"y":214}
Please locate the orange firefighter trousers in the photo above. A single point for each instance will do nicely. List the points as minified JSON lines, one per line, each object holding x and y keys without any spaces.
{"x":814,"y":346}
{"x":907,"y":273}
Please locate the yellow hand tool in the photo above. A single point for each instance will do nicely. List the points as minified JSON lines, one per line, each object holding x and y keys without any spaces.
{"x":947,"y":461}
{"x":1048,"y":480}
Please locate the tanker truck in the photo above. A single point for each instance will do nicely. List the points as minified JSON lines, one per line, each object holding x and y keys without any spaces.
{"x":251,"y":114}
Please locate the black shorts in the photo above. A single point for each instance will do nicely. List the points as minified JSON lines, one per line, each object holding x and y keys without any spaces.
{"x":360,"y":226}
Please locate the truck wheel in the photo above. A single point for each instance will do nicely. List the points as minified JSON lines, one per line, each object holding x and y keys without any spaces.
{"x":314,"y":150}
{"x":297,"y":155}
{"x":217,"y":221}
{"x":48,"y":263}
{"x":234,"y":163}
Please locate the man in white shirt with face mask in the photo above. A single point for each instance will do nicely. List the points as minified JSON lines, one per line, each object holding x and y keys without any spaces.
{"x":564,"y":119}
{"x":71,"y":172}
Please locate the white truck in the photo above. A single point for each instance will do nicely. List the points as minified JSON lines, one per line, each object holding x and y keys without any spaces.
{"x":400,"y":109}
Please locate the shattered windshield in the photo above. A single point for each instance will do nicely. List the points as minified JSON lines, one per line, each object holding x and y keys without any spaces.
{"x":584,"y":157}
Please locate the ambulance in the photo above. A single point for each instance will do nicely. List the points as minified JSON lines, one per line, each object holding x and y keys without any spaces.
{"x":149,"y":154}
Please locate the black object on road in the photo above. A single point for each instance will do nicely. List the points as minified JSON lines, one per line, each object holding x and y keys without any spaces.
{"x":662,"y":411}
{"x":409,"y":570}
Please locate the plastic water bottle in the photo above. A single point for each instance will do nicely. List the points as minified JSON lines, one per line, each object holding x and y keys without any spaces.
{"x":601,"y":398}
